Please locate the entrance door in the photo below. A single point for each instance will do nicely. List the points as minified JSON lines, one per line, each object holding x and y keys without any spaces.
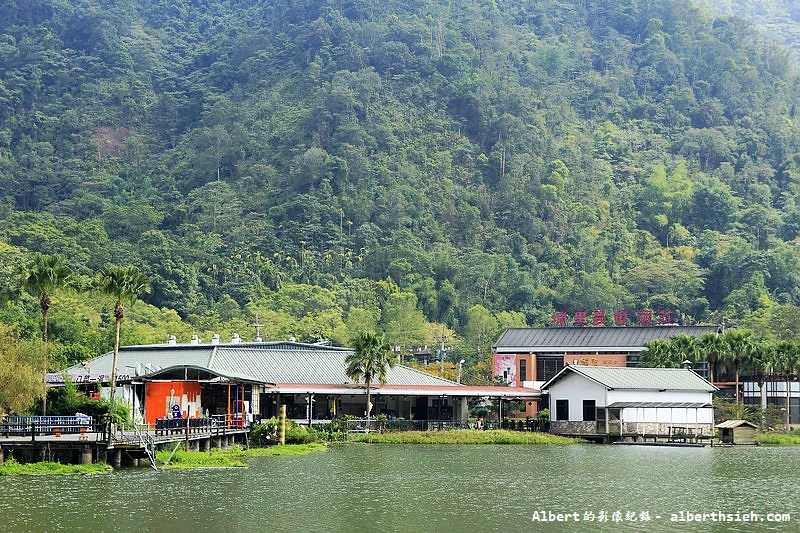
{"x":614,"y":423}
{"x":421,"y":411}
{"x":600,"y":416}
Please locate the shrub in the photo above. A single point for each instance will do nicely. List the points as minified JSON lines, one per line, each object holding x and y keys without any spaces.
{"x":267,"y":433}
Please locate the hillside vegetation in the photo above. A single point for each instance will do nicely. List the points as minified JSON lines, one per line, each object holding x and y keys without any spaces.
{"x":428,"y":168}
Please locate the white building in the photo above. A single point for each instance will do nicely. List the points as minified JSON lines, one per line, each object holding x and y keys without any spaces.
{"x":616,"y":401}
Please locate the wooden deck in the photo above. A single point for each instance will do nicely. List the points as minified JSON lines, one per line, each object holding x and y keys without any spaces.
{"x":121,"y":445}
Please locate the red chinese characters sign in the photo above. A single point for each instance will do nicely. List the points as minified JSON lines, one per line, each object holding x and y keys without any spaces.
{"x":644,"y":317}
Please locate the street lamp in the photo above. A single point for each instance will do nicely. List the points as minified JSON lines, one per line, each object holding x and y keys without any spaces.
{"x":460,"y":364}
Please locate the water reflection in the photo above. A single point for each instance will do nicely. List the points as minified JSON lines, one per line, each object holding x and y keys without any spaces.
{"x":421,"y":488}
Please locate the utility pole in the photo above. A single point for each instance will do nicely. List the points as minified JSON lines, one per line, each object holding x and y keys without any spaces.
{"x":442,"y":339}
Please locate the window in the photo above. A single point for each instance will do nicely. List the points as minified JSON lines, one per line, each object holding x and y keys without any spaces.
{"x":562,"y":409}
{"x":523,"y":370}
{"x":548,"y":366}
{"x":589,"y":412}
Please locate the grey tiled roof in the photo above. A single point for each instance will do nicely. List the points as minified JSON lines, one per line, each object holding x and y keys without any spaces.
{"x":278,"y":362}
{"x":639,"y":378}
{"x":630,"y":338}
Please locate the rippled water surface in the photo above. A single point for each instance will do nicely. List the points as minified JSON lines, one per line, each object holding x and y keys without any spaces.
{"x":426,"y":488}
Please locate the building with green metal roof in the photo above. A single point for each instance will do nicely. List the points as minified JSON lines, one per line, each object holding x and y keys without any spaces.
{"x":629,"y":402}
{"x":255,"y":378}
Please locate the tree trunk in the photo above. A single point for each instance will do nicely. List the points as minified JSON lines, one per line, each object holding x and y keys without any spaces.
{"x":762,"y":389}
{"x":45,"y":311}
{"x":45,"y":304}
{"x":114,"y":361}
{"x":369,"y":404}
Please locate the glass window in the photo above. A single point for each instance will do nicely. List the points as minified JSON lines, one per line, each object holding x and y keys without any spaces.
{"x":523,"y":370}
{"x":562,"y":409}
{"x":589,"y":412}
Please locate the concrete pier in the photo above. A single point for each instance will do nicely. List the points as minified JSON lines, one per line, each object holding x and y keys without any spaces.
{"x":86,"y":456}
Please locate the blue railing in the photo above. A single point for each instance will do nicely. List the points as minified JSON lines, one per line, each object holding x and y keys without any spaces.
{"x":45,"y":425}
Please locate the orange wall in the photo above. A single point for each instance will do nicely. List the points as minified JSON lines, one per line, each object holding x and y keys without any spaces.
{"x":157,"y":394}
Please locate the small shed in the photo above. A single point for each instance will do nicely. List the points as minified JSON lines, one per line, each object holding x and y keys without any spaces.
{"x":737,"y":432}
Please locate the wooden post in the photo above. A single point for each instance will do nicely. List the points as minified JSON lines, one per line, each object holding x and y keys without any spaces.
{"x":282,"y":425}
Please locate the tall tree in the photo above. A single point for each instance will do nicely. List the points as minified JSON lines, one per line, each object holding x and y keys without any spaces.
{"x":20,"y":378}
{"x":741,"y":348}
{"x":712,"y":349}
{"x":658,"y":353}
{"x":371,"y":359}
{"x":41,"y":277}
{"x":124,"y":284}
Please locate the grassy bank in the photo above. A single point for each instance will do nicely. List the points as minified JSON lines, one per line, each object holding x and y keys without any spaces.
{"x":779,"y":439}
{"x":232,"y":457}
{"x":464,"y":436}
{"x":12,"y":468}
{"x":288,"y":449}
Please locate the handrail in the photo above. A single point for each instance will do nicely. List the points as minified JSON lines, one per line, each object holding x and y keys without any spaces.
{"x":15,"y":425}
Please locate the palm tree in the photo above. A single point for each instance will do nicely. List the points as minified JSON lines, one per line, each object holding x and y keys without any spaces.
{"x":40,"y":278}
{"x":684,"y":348}
{"x":712,"y":349}
{"x":371,"y":359}
{"x":787,"y":360}
{"x":763,"y":363}
{"x":659,"y":354}
{"x":124,"y":284}
{"x":741,"y":347}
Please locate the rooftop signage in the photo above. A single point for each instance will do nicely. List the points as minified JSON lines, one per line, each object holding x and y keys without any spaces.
{"x":57,"y":378}
{"x":644,"y":317}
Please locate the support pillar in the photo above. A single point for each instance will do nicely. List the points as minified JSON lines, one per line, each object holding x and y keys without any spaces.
{"x":86,"y":456}
{"x":205,"y":445}
{"x":116,"y":459}
{"x":2,"y":455}
{"x":282,"y":425}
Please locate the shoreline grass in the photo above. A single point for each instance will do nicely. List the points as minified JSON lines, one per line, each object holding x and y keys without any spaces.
{"x":231,"y":457}
{"x":287,"y":449}
{"x":778,"y":439}
{"x":13,"y":468}
{"x":464,"y":436}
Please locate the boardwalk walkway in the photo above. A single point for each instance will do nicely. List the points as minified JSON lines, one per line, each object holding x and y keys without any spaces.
{"x":78,"y":440}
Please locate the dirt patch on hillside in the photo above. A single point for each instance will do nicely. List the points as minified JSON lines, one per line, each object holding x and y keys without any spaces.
{"x":110,"y":141}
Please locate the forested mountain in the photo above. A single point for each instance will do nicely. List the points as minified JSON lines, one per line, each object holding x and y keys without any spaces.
{"x":333,"y":165}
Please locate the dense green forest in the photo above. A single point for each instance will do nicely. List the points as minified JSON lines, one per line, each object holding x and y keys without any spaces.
{"x":436,"y":170}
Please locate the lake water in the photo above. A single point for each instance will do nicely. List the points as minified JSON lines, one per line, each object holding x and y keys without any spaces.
{"x":427,"y":488}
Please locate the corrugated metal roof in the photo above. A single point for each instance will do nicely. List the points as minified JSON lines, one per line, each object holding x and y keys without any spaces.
{"x":515,"y":340}
{"x":279,"y":362}
{"x":147,"y":357}
{"x":658,"y":404}
{"x":639,"y":378}
{"x":735,"y":424}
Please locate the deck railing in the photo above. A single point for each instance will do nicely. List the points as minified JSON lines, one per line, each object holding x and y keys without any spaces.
{"x":15,"y":426}
{"x":361,"y":425}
